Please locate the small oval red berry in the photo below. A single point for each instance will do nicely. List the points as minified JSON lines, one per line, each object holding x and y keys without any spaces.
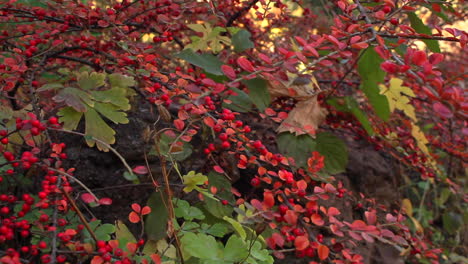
{"x":225,"y":145}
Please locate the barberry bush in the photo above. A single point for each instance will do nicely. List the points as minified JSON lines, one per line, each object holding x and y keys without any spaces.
{"x":253,"y":106}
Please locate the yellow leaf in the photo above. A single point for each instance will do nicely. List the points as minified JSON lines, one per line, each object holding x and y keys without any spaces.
{"x":407,"y":206}
{"x":420,"y":138}
{"x":398,"y":97}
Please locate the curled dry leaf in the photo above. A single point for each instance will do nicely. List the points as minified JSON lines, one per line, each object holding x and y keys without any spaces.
{"x":307,"y":115}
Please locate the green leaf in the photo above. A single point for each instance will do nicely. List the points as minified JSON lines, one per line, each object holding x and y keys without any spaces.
{"x":334,"y":150}
{"x":112,"y":113}
{"x":115,"y":96}
{"x":211,"y":38}
{"x":298,"y":147}
{"x":200,"y":246}
{"x":69,"y":117}
{"x":240,"y":102}
{"x":88,"y":81}
{"x":50,"y":86}
{"x":258,"y":92}
{"x":241,"y":41}
{"x":123,"y":234}
{"x":156,"y":221}
{"x":214,"y":206}
{"x":371,"y":75}
{"x":418,"y":25}
{"x":97,"y":128}
{"x":348,"y":104}
{"x":237,"y":226}
{"x":104,"y":231}
{"x":452,"y":222}
{"x":218,"y":230}
{"x":235,"y":249}
{"x":192,"y":180}
{"x":178,"y":154}
{"x":208,"y":62}
{"x":130,"y":176}
{"x":121,"y":81}
{"x":183,"y":209}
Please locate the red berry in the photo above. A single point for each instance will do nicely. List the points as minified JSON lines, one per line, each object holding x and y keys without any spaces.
{"x":223,"y":136}
{"x":224,"y":202}
{"x":225,"y":145}
{"x":282,"y":209}
{"x":4,"y":141}
{"x":394,"y":21}
{"x":53,"y":120}
{"x":255,"y":182}
{"x":42,"y":245}
{"x":101,"y":244}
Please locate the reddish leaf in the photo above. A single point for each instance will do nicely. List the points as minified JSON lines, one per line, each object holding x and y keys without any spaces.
{"x":323,"y":252}
{"x":142,"y":170}
{"x":155,"y":258}
{"x":442,"y":110}
{"x":209,"y":121}
{"x":132,"y":247}
{"x":278,"y":239}
{"x":179,"y":124}
{"x":105,"y":201}
{"x":301,"y":242}
{"x":88,"y":198}
{"x":371,"y":216}
{"x":218,"y":169}
{"x":97,"y":260}
{"x":419,"y":57}
{"x":290,"y":217}
{"x":317,"y":219}
{"x":360,"y":45}
{"x":146,"y":210}
{"x":245,"y":64}
{"x":136,"y":207}
{"x":134,"y":217}
{"x":358,"y":225}
{"x":228,"y":71}
{"x":268,"y":199}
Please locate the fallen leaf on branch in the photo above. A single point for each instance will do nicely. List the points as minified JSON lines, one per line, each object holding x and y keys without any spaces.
{"x":307,"y":115}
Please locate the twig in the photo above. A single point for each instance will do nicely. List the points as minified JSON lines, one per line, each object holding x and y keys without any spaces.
{"x":80,"y":215}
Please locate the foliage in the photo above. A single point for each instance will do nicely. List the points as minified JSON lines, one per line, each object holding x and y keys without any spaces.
{"x":254,"y":104}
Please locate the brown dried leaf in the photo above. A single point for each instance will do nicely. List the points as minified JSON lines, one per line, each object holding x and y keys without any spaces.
{"x":307,"y":115}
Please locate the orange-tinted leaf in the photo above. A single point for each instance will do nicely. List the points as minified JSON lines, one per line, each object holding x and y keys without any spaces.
{"x":268,"y":199}
{"x":155,"y":258}
{"x":317,"y":219}
{"x":323,"y":252}
{"x":302,"y":185}
{"x":290,"y":217}
{"x":136,"y":207}
{"x":301,"y":242}
{"x":134,"y":217}
{"x":146,"y":210}
{"x":132,"y":247}
{"x":332,"y":211}
{"x":97,"y":260}
{"x":209,"y":121}
{"x":179,"y":124}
